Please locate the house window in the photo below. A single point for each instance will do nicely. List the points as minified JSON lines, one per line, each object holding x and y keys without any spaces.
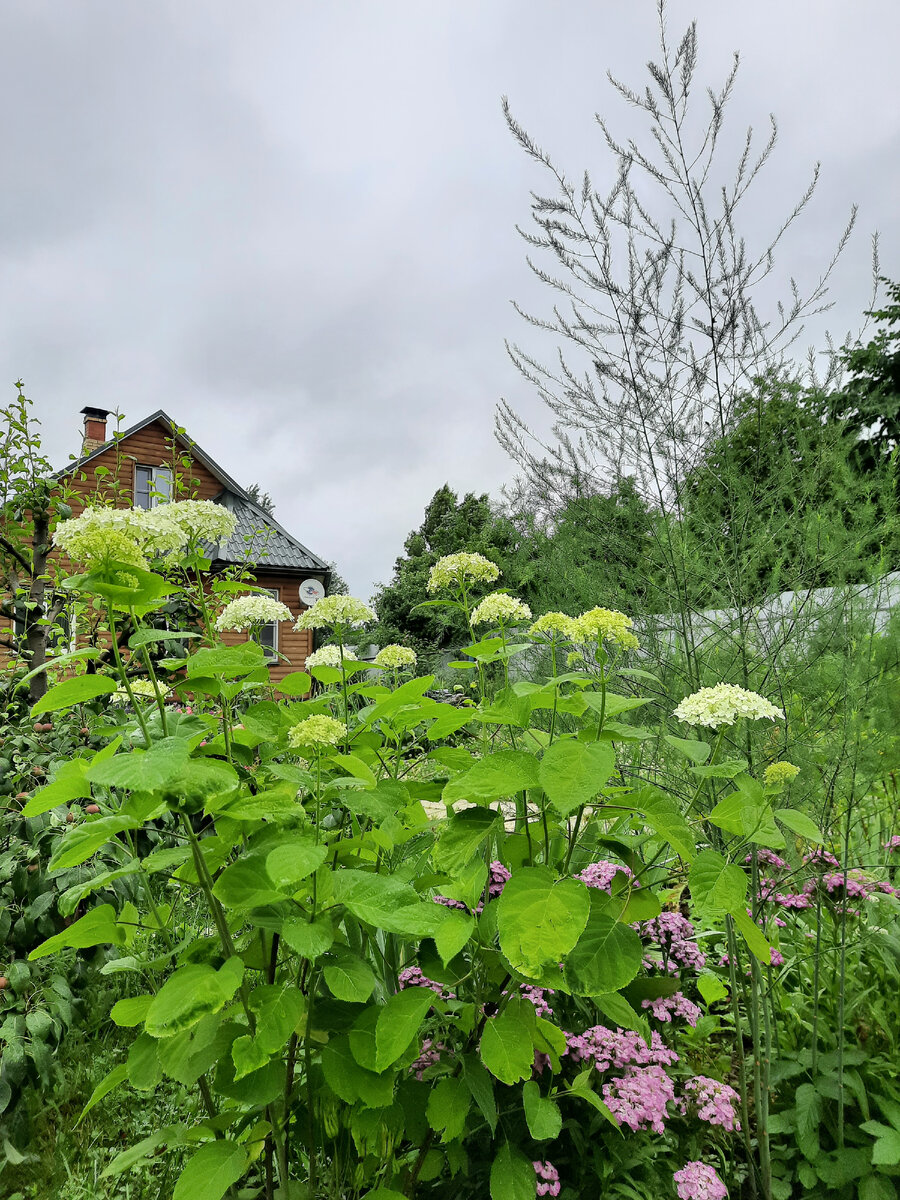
{"x":152,"y":486}
{"x":267,"y":635}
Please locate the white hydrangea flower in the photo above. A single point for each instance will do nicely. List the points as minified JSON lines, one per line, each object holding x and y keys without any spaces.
{"x":316,"y":731}
{"x":330,"y":656}
{"x":394,"y":657}
{"x":123,"y":534}
{"x":142,"y":689}
{"x":345,"y":611}
{"x":203,"y":519}
{"x":778,"y":773}
{"x":247,"y":611}
{"x":608,"y":625}
{"x":555,"y":622}
{"x":500,"y":609}
{"x":455,"y":569}
{"x":723,"y":705}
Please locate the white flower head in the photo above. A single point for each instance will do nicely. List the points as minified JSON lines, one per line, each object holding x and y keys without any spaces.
{"x":395,"y":658}
{"x":453,"y":570}
{"x":141,"y":689}
{"x":330,"y":656}
{"x":316,"y":731}
{"x":247,"y":611}
{"x":723,"y":705}
{"x":555,"y":622}
{"x":125,"y":535}
{"x":344,"y":611}
{"x":607,"y":625}
{"x":778,"y":773}
{"x":203,"y":519}
{"x":501,"y":609}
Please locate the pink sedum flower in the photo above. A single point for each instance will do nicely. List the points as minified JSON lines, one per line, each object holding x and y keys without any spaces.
{"x":547,"y":1178}
{"x":698,"y":1181}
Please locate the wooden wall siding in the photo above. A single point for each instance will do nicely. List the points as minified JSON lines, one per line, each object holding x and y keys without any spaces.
{"x":148,"y":447}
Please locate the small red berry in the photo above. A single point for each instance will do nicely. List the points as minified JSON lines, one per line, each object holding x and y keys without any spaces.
{"x":92,"y":808}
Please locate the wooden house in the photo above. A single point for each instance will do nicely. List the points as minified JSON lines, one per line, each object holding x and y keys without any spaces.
{"x":155,"y":462}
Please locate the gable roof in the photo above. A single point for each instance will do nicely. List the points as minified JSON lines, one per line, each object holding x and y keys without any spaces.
{"x":189,"y":444}
{"x":258,"y":539}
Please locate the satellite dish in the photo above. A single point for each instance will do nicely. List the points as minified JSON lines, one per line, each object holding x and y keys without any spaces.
{"x":311,"y":590}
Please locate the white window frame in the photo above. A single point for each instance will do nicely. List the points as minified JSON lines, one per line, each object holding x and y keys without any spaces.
{"x":155,"y":494}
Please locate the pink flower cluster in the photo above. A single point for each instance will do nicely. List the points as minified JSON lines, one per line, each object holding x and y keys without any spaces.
{"x":537,"y":997}
{"x":716,"y":1102}
{"x":769,"y":858}
{"x":430,"y":1056}
{"x":498,"y":877}
{"x":665,"y":1008}
{"x":674,"y":934}
{"x":892,"y":845}
{"x":640,"y":1097}
{"x":622,"y":1048}
{"x":547,"y":1179}
{"x":413,"y":977}
{"x":820,"y":859}
{"x":601,"y":874}
{"x":698,"y":1181}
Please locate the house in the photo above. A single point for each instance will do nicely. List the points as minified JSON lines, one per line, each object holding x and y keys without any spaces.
{"x":154,"y":462}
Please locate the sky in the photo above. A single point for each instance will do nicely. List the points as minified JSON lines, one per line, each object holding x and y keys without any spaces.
{"x":292,"y":225}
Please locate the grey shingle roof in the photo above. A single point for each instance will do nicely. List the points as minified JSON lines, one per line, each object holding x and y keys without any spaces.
{"x":259,"y":540}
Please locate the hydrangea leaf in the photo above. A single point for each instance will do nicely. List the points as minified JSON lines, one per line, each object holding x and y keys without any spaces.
{"x":540,"y":918}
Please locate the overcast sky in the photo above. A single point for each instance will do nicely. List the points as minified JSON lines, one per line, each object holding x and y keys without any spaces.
{"x":291,"y":224}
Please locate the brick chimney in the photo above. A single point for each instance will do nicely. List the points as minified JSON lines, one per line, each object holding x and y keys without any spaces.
{"x":94,"y":429}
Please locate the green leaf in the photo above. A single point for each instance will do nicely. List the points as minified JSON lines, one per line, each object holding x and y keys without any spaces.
{"x":107,"y":1084}
{"x":280,"y":1011}
{"x":507,"y":1048}
{"x":727,"y":769}
{"x":573,"y":772}
{"x":696,"y":751}
{"x":211,"y":1171}
{"x":664,"y":817}
{"x":246,"y":884}
{"x":308,"y":939}
{"x":512,"y":1175}
{"x":753,"y":935}
{"x":130,"y":1011}
{"x":481,"y":1086}
{"x":297,"y":683}
{"x":69,"y":784}
{"x":542,"y":1115}
{"x":501,"y":774}
{"x":96,"y":928}
{"x":79,"y":690}
{"x":610,"y":704}
{"x":507,"y":708}
{"x":398,"y":1023}
{"x":886,"y":1151}
{"x":190,"y":994}
{"x":800,"y":824}
{"x":454,"y":931}
{"x":711,"y":988}
{"x":716,"y":886}
{"x":351,"y":1082}
{"x":808,"y":1106}
{"x":449,"y":1102}
{"x":616,"y":1008}
{"x":159,"y":769}
{"x":540,"y":918}
{"x":386,"y":903}
{"x":348,"y":976}
{"x":607,"y":955}
{"x":410,"y":692}
{"x":461,"y":836}
{"x":144,"y":1070}
{"x":83,"y":841}
{"x":294,"y":860}
{"x":226,"y":662}
{"x":740,"y":815}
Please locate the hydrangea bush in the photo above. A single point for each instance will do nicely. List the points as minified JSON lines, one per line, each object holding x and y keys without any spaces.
{"x":501,"y":999}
